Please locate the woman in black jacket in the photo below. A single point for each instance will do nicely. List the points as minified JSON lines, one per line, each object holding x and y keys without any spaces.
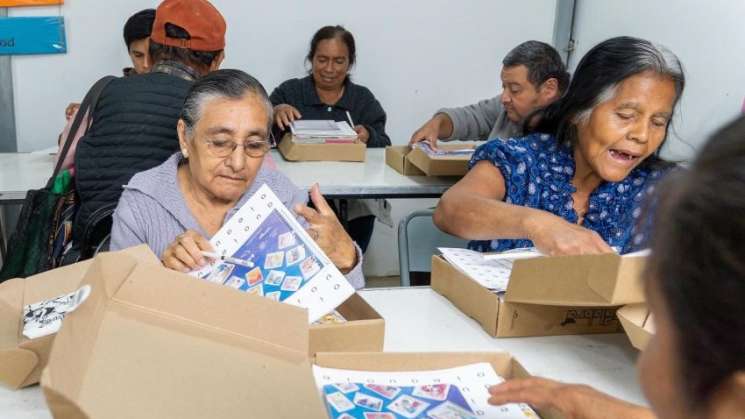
{"x":328,"y":93}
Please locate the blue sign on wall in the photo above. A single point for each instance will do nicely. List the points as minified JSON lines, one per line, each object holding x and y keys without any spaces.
{"x":32,"y":35}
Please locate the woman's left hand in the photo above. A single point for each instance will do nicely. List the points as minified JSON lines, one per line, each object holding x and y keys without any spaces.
{"x":327,"y":232}
{"x":570,"y":401}
{"x":362,"y":133}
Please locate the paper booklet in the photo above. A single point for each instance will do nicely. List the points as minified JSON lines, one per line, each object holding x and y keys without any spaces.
{"x":276,"y":258}
{"x":45,"y":317}
{"x":440,"y":152}
{"x":493,"y":274}
{"x":457,"y":393}
{"x":322,"y":131}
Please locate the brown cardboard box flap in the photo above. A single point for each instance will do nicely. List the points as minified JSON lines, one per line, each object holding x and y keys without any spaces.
{"x":638,"y":323}
{"x":395,"y":157}
{"x":364,"y":330}
{"x":585,"y":280}
{"x":441,"y":165}
{"x":503,"y":363}
{"x":172,"y":346}
{"x":468,"y":295}
{"x":21,"y":359}
{"x":293,"y":151}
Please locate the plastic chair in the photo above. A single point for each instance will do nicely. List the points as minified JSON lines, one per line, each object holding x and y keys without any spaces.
{"x":418,"y":240}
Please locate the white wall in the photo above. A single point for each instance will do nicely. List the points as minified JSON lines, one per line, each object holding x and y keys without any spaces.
{"x":706,"y":36}
{"x":415,"y":55}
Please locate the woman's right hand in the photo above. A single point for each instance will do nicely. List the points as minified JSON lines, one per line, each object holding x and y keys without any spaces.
{"x":284,"y":114}
{"x":554,"y":236}
{"x":185,"y":253}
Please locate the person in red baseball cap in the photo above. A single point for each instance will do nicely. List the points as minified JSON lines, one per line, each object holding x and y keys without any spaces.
{"x":134,"y":123}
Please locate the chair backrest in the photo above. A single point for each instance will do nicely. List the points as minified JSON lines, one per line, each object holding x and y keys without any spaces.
{"x":418,"y":240}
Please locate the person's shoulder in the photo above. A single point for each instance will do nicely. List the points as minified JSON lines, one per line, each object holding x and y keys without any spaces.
{"x":150,"y":178}
{"x":292,"y":84}
{"x":278,"y":182}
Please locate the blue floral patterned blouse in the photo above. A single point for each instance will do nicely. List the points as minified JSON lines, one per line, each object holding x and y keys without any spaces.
{"x":538,"y":171}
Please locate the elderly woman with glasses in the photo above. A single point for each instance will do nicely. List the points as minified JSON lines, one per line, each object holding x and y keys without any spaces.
{"x":224,"y":135}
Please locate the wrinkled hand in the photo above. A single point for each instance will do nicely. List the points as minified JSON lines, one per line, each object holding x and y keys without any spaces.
{"x":71,"y":109}
{"x":185,"y":253}
{"x":284,"y":114}
{"x":570,"y":401}
{"x":362,"y":133}
{"x":428,"y":132}
{"x":555,"y":236}
{"x":327,"y":232}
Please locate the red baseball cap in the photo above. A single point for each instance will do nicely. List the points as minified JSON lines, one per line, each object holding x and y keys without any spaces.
{"x":205,"y":25}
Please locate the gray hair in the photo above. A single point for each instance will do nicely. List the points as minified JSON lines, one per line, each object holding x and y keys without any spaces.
{"x":542,"y":61}
{"x":231,"y":84}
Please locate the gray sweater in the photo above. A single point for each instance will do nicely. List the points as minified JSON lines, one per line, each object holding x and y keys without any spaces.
{"x":152,"y":209}
{"x":481,"y":121}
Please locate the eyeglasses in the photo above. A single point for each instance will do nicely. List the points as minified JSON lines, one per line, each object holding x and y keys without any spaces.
{"x":224,"y":148}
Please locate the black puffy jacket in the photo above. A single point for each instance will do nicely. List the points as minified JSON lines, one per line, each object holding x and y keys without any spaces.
{"x":134,"y":129}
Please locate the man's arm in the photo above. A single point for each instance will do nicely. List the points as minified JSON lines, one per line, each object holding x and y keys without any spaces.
{"x":473,"y":122}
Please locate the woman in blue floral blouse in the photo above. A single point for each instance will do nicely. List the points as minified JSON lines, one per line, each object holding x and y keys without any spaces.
{"x":576,"y":185}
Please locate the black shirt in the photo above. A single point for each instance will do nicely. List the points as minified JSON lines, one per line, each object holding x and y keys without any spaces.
{"x":358,"y":100}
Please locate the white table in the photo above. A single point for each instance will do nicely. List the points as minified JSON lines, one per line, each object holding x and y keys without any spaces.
{"x":419,"y":319}
{"x":20,"y":172}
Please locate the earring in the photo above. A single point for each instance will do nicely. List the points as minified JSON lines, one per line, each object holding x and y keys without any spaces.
{"x":185,"y":153}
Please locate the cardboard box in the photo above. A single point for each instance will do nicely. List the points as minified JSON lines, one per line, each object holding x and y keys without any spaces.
{"x":395,"y":157}
{"x":293,"y":151}
{"x":415,"y":162}
{"x":547,"y":296}
{"x":440,"y":165}
{"x":22,"y":359}
{"x":638,"y":323}
{"x":364,"y":330}
{"x":129,"y":352}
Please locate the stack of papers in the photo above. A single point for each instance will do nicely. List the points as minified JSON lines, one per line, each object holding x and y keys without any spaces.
{"x":443,"y":152}
{"x":322,"y":131}
{"x":490,"y":270}
{"x":460,"y":392}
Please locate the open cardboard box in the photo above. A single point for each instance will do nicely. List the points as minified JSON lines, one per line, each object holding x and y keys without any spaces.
{"x":293,"y":151}
{"x":415,"y":162}
{"x":129,"y":352}
{"x":638,"y":323}
{"x":395,"y":157}
{"x":548,"y":295}
{"x":22,"y":359}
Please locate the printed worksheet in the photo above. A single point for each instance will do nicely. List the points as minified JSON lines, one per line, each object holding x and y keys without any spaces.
{"x":270,"y":254}
{"x":45,"y":317}
{"x":455,"y":393}
{"x":444,"y":152}
{"x":493,"y":274}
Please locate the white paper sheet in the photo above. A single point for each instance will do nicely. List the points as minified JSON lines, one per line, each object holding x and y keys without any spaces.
{"x":45,"y":317}
{"x":460,"y":392}
{"x":492,"y":274}
{"x":289,"y":265}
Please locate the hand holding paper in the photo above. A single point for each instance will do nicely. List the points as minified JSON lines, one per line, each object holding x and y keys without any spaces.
{"x":185,"y":253}
{"x":327,"y":231}
{"x":553,"y":236}
{"x":569,"y":400}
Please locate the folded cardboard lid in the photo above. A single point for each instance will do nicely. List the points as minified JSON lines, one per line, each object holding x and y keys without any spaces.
{"x":20,"y":356}
{"x":395,"y":157}
{"x":638,"y":324}
{"x":585,"y":280}
{"x":440,"y":165}
{"x":157,"y":342}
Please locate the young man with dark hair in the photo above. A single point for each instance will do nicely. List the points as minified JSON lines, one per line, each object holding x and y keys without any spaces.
{"x":134,"y":122}
{"x":137,"y":39}
{"x":533,"y":76}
